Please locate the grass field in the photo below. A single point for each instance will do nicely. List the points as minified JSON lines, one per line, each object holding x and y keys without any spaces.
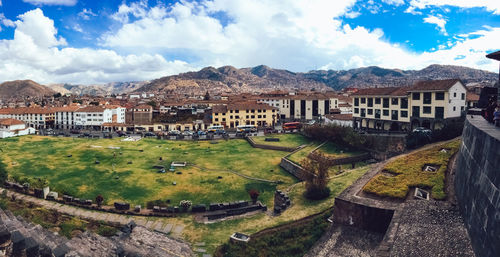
{"x":115,"y":179}
{"x":406,"y":172}
{"x":286,"y":140}
{"x":329,"y":149}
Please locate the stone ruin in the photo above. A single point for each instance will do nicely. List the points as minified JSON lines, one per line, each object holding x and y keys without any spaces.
{"x":19,"y":237}
{"x":281,"y":202}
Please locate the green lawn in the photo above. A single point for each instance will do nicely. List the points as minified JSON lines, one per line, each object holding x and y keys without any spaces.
{"x":286,"y":140}
{"x":329,"y":149}
{"x":139,"y":182}
{"x":406,"y":172}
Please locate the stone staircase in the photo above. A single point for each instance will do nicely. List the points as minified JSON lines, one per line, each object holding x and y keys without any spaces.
{"x":21,"y":238}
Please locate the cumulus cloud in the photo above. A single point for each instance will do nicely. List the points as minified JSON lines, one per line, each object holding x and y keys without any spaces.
{"x":490,"y":5}
{"x":52,"y":2}
{"x":36,"y":52}
{"x":440,"y":23}
{"x":298,"y":35}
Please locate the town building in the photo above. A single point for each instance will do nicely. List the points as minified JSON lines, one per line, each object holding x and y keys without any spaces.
{"x":11,"y":127}
{"x":250,"y":113}
{"x":34,"y":117}
{"x":95,"y":116}
{"x":428,"y":104}
{"x":65,"y":117}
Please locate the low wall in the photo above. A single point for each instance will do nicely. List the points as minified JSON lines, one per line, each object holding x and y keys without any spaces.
{"x":292,"y":168}
{"x":270,"y":147}
{"x":477,"y":184}
{"x":362,"y":216}
{"x":347,"y":160}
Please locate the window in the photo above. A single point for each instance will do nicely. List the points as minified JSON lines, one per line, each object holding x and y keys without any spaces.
{"x":415,"y":96}
{"x":394,"y":101}
{"x":237,"y":117}
{"x":415,"y":111}
{"x":356,"y":110}
{"x":216,"y":119}
{"x":455,"y":94}
{"x":377,"y":114}
{"x":394,"y":115}
{"x":385,"y":112}
{"x":404,"y":103}
{"x":216,"y":114}
{"x":427,"y":97}
{"x":463,"y":96}
{"x":427,"y":109}
{"x":377,"y":100}
{"x":356,"y":101}
{"x":440,"y":96}
{"x":370,"y":102}
{"x":404,"y":114}
{"x":386,"y":103}
{"x":439,"y":112}
{"x":259,"y":116}
{"x":370,"y":111}
{"x":237,"y":111}
{"x":363,"y":113}
{"x":231,"y":116}
{"x":253,"y":116}
{"x":363,"y":100}
{"x":454,"y":108}
{"x":223,"y":119}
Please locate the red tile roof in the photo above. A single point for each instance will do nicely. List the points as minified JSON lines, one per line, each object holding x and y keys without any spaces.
{"x":472,"y":97}
{"x":10,"y":122}
{"x":433,"y":85}
{"x":339,"y":116}
{"x":91,"y":109}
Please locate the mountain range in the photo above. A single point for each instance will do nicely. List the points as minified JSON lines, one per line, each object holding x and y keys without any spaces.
{"x":258,"y":79}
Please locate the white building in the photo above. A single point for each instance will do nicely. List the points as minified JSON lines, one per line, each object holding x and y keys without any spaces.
{"x":96,"y":116}
{"x":65,"y":117}
{"x":12,"y":127}
{"x":35,"y":117}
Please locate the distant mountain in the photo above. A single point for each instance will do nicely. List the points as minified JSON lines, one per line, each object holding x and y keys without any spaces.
{"x":23,"y":88}
{"x":262,"y":78}
{"x":231,"y":79}
{"x":100,"y":90}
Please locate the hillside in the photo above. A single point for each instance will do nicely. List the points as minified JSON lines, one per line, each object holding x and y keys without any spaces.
{"x":23,"y":88}
{"x":101,"y":90}
{"x":263,"y":78}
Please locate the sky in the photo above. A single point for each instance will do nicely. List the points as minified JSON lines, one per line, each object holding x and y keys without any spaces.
{"x":93,"y":42}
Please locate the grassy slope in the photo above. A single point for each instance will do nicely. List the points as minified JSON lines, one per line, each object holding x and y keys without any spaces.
{"x":138,"y":182}
{"x":286,"y":140}
{"x":408,"y":173}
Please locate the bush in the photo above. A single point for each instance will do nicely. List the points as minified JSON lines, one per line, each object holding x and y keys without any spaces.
{"x":340,"y":135}
{"x":316,"y":176}
{"x":185,"y":204}
{"x":317,"y":193}
{"x":254,"y":195}
{"x":3,"y":173}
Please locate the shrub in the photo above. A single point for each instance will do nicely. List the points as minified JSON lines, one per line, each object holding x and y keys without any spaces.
{"x":254,"y":195}
{"x":185,"y":204}
{"x":99,"y":199}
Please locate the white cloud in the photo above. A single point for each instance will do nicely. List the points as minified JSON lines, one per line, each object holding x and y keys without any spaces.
{"x":52,"y":2}
{"x":440,"y":23}
{"x":394,"y":2}
{"x":5,"y":22}
{"x":490,"y":5}
{"x":352,"y":14}
{"x":37,"y":53}
{"x":86,"y":14}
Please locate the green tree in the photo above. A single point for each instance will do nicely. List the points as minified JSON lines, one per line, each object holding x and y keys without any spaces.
{"x":316,"y":176}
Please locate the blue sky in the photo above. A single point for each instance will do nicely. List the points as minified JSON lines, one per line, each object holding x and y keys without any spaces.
{"x":88,"y":42}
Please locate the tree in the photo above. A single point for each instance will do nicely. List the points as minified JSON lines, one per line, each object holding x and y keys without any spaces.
{"x":207,"y":96}
{"x":99,"y":199}
{"x":152,"y":103}
{"x":3,"y":173}
{"x":57,"y":95}
{"x":316,"y":176}
{"x":254,"y":195}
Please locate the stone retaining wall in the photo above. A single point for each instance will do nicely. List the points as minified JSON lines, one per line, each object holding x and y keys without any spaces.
{"x":477,"y":185}
{"x":270,"y":147}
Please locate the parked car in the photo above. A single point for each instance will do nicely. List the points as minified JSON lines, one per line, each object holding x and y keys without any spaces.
{"x":74,"y":131}
{"x":174,"y":132}
{"x":421,"y":130}
{"x":149,"y":134}
{"x":187,"y":133}
{"x":201,"y":133}
{"x":121,"y":133}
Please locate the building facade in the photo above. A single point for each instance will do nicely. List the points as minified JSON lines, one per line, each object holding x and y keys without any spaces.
{"x":233,"y":115}
{"x":428,"y":104}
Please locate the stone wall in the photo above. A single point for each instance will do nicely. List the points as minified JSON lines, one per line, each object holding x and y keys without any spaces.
{"x":270,"y":147}
{"x":477,"y":184}
{"x":292,"y":168}
{"x":362,"y":216}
